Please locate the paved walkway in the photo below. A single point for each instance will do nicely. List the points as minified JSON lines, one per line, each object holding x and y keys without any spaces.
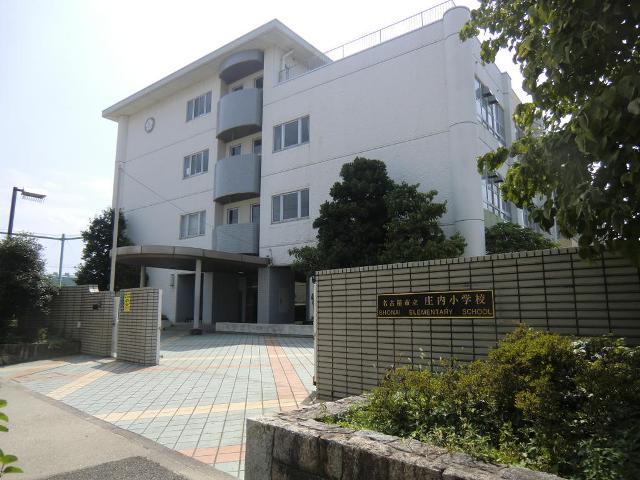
{"x":196,"y":401}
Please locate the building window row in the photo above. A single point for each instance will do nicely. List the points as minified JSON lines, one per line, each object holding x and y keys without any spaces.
{"x":489,"y":111}
{"x":290,"y":206}
{"x":195,"y":164}
{"x":193,"y":224}
{"x":198,"y":106}
{"x":492,"y":197}
{"x":290,"y":134}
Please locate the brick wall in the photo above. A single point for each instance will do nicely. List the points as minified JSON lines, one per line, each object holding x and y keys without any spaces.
{"x":139,"y":326}
{"x":551,"y":289}
{"x":66,"y":310}
{"x":96,"y":329}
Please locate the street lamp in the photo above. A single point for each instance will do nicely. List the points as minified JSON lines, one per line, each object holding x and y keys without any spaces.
{"x":36,"y":197}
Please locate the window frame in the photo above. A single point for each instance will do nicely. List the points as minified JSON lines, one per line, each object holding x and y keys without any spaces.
{"x":232,"y":147}
{"x":492,"y":116}
{"x":493,"y":200}
{"x":255,"y":82}
{"x":282,"y":129}
{"x":252,"y":219}
{"x":229,"y":213}
{"x":195,"y":101}
{"x":280,"y":197}
{"x":204,"y":163}
{"x":184,"y":221}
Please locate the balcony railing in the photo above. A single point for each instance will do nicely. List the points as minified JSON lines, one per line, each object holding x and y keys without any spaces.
{"x":239,"y":114}
{"x":372,"y":39}
{"x":237,"y":178}
{"x":237,"y":238}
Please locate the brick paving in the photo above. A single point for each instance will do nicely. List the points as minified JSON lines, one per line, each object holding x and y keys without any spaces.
{"x":196,"y":401}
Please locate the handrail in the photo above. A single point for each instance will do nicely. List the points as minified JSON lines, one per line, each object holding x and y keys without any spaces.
{"x":372,"y":39}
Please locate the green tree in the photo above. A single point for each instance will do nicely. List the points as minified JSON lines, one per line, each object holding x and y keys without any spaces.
{"x":580,"y":151}
{"x":370,"y":220}
{"x":413,"y":232}
{"x":25,"y":291}
{"x":96,"y":266}
{"x":509,"y":237}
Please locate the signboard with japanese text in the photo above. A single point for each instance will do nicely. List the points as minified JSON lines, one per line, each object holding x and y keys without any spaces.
{"x":449,"y":304}
{"x":126,"y":302}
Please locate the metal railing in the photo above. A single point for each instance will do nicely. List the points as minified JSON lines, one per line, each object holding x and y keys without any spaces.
{"x":372,"y":39}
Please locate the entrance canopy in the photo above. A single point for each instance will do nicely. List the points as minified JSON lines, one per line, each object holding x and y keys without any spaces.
{"x":185,"y":258}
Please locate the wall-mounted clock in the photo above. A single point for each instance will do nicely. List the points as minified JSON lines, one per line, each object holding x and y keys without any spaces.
{"x":149,"y":124}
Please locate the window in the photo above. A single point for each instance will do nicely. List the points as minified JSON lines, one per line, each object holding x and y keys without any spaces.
{"x":237,"y":88}
{"x":489,"y":111}
{"x":232,"y":216}
{"x":257,"y":146}
{"x":258,"y":82}
{"x":193,"y":224}
{"x":199,"y":106}
{"x":290,"y":206}
{"x":291,"y":133}
{"x":235,"y":150}
{"x":195,"y":164}
{"x":255,"y":213}
{"x":493,"y":199}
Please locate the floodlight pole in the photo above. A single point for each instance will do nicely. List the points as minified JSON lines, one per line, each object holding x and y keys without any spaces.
{"x":13,"y":211}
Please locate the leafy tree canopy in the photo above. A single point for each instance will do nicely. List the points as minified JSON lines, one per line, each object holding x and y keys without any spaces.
{"x":509,"y":237}
{"x":96,"y":266}
{"x":371,"y":219}
{"x":25,"y":291}
{"x":580,"y":152}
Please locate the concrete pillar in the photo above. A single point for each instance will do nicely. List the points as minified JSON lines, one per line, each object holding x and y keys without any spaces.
{"x":466,"y":203}
{"x":207,"y":301}
{"x":196,"y":295}
{"x":276,"y":290}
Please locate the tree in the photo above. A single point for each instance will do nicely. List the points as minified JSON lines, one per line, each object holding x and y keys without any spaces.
{"x":96,"y":266}
{"x":580,"y":153}
{"x":509,"y":237}
{"x":351,"y":225}
{"x":371,"y":219}
{"x":413,"y":232}
{"x":25,"y":291}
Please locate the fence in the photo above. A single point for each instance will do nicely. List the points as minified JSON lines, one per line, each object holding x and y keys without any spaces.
{"x":553,"y":290}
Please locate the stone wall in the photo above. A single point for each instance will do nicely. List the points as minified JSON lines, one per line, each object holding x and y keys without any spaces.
{"x":296,"y":445}
{"x":139,"y":325}
{"x":553,"y":290}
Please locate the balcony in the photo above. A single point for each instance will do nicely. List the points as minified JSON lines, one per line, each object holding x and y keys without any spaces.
{"x":237,"y":238}
{"x":239,"y":114}
{"x":237,"y":178}
{"x":241,"y":64}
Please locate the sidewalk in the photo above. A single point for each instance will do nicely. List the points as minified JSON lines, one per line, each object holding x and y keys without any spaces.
{"x":50,"y":438}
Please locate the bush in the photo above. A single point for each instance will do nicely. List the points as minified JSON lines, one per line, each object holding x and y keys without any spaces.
{"x":25,"y":291}
{"x":540,"y":400}
{"x":509,"y":237}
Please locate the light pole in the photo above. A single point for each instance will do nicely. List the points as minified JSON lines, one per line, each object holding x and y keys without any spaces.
{"x":37,"y":197}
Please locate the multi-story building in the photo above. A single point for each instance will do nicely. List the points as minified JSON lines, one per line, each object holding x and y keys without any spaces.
{"x":222,"y":166}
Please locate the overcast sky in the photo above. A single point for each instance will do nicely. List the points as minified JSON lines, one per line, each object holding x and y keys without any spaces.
{"x":62,"y":62}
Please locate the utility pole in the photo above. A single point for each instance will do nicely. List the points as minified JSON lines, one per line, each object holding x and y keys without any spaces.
{"x":62,"y":237}
{"x":38,"y":197}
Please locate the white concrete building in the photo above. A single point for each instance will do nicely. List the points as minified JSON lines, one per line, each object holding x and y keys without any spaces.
{"x":232,"y":156}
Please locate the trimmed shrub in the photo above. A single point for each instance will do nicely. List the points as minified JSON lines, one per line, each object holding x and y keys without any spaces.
{"x":540,"y":400}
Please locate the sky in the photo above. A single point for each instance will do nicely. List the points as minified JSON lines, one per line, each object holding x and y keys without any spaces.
{"x":63,"y":61}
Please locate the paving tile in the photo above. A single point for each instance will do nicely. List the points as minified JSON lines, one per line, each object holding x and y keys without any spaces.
{"x":199,"y":397}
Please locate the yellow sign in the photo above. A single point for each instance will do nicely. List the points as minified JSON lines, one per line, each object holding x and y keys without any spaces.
{"x":126,"y":302}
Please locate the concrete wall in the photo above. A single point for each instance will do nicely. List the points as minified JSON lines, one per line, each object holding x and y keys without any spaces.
{"x":139,"y":327}
{"x":553,"y":290}
{"x":298,"y":445}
